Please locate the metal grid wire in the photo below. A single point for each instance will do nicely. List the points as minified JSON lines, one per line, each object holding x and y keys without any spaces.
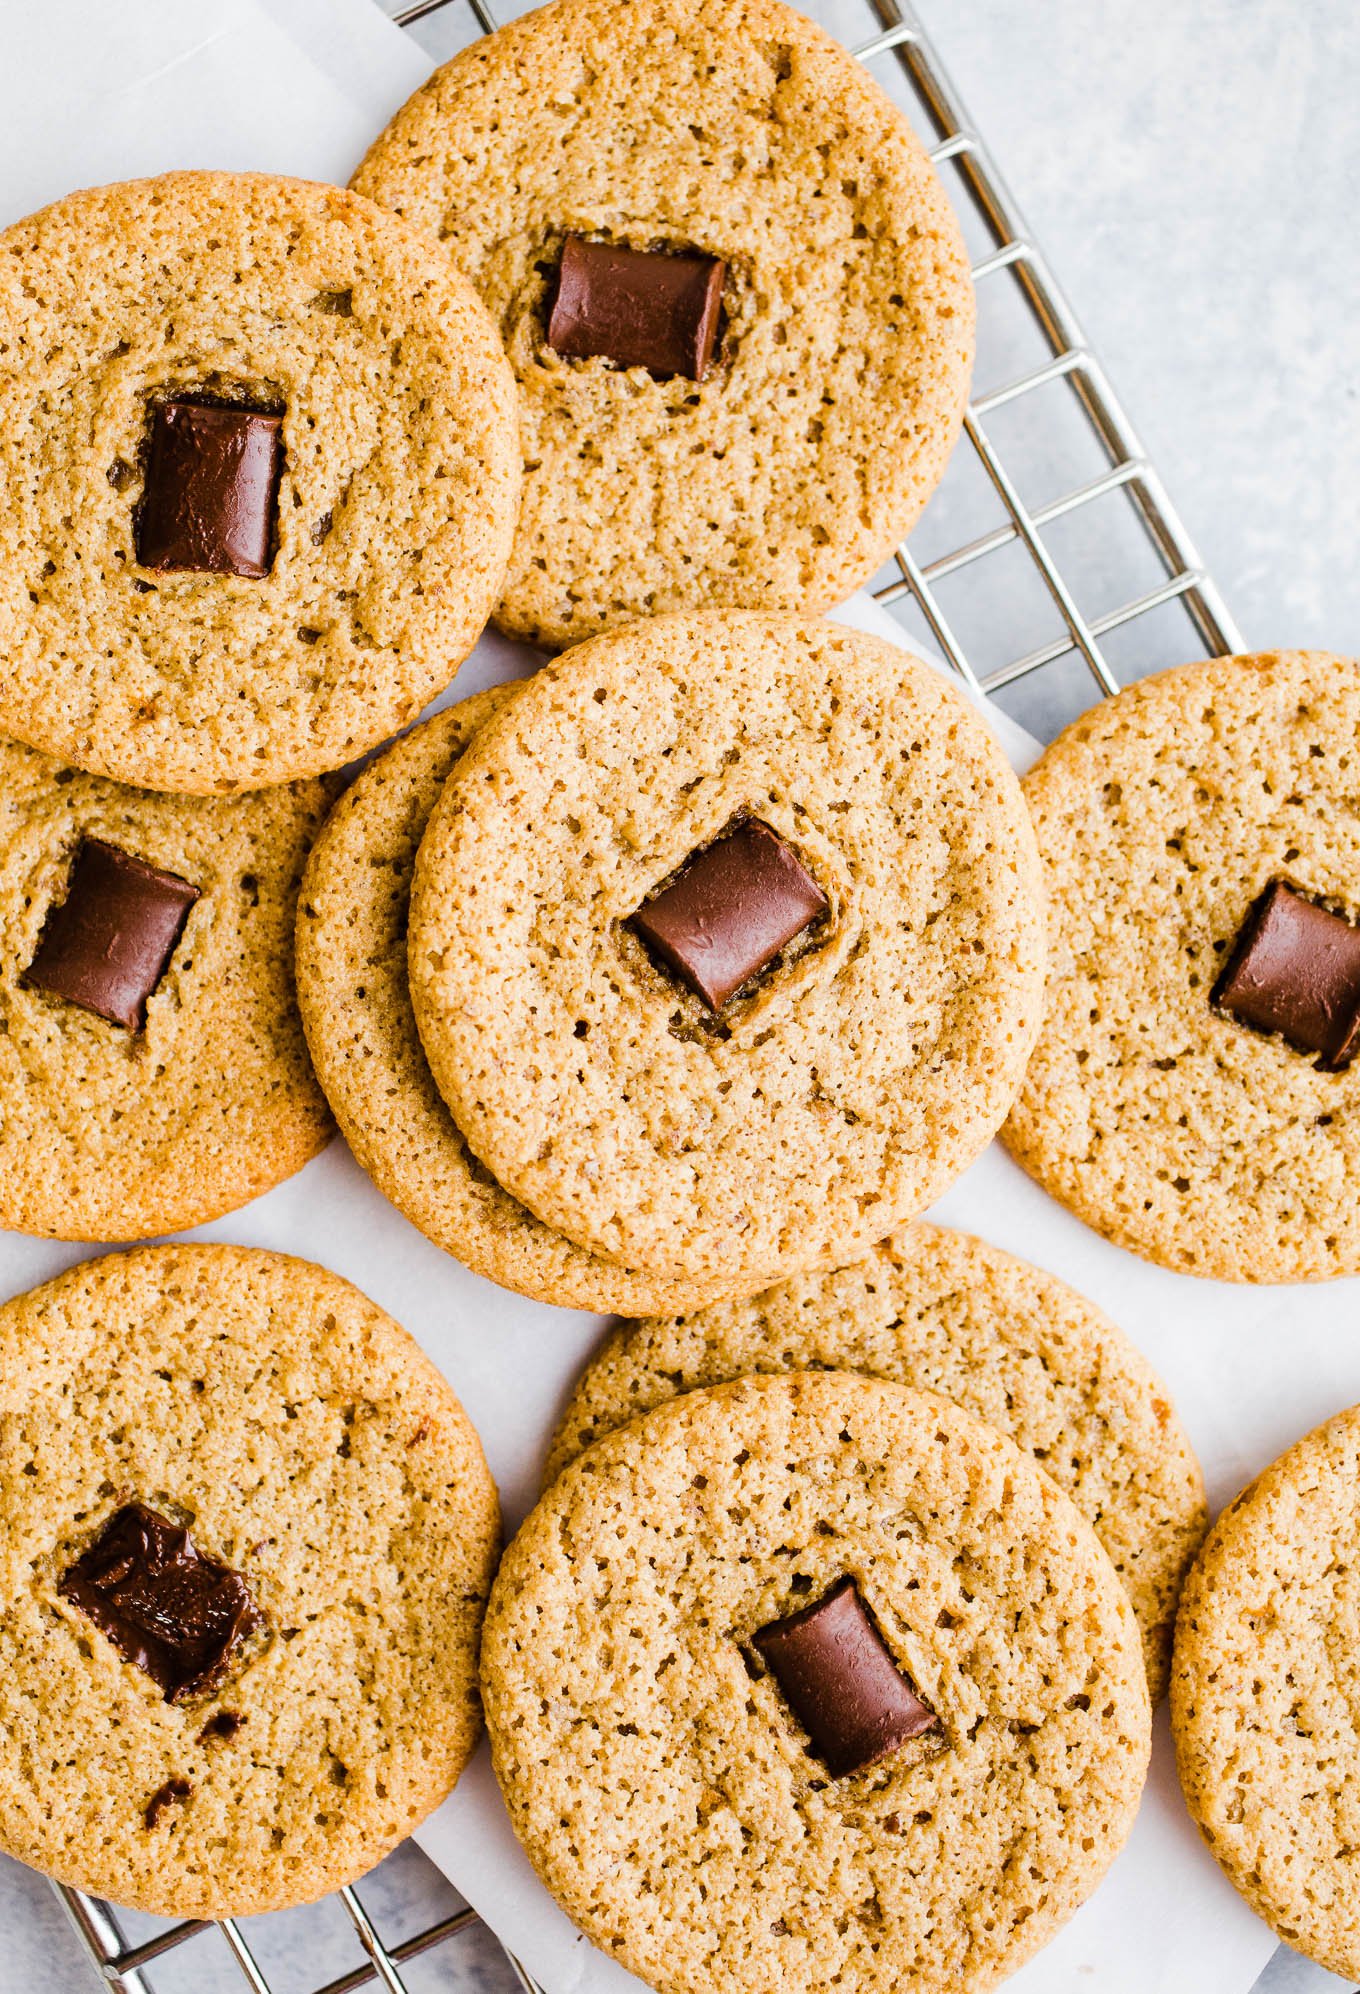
{"x":1161,"y":571}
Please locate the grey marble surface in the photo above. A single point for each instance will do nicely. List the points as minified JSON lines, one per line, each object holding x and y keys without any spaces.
{"x":1192,"y":168}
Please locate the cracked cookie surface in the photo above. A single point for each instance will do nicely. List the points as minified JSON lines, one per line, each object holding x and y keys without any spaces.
{"x":310,"y":1447}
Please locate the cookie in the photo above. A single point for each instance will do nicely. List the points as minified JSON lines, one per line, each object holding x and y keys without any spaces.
{"x":1210,"y":1130}
{"x":736,"y":1771}
{"x":846,"y":1081}
{"x":248,"y":1535}
{"x":356,"y":1006}
{"x":258,"y":478}
{"x":1263,"y":1695}
{"x":947,"y":1313}
{"x":734,"y":295}
{"x":153,"y":1069}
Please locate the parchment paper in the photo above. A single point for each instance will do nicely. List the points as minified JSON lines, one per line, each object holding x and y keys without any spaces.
{"x":92,"y":92}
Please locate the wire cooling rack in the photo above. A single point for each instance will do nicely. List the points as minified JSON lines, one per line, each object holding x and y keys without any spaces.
{"x":1050,"y":553}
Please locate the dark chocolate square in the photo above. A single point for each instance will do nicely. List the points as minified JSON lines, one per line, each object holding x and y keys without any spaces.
{"x":842,"y":1683}
{"x":730,"y":910}
{"x":1295,"y":971}
{"x":212,"y":483}
{"x":107,"y":944}
{"x":180,"y":1617}
{"x":637,"y":307}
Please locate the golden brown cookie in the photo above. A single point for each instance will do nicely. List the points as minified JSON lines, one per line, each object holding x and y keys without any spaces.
{"x":1163,"y":1119}
{"x":356,"y":1006}
{"x":946,"y":1313}
{"x":253,"y":1716}
{"x":843,"y":1086}
{"x":1265,"y":1688}
{"x":737,"y":129}
{"x":922,"y":1810}
{"x":204,"y":1096}
{"x":211,"y":599}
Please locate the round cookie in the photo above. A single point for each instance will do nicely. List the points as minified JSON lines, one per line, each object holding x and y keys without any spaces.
{"x":851,"y":1081}
{"x":356,"y":1006}
{"x":667,"y":1792}
{"x":1265,"y":1686}
{"x":783,"y":478}
{"x":1162,"y":816}
{"x":111,"y":1131}
{"x":390,"y":529}
{"x":310,"y":1449}
{"x":946,"y":1313}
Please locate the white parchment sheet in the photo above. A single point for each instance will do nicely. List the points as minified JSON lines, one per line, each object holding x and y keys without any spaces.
{"x":92,"y":92}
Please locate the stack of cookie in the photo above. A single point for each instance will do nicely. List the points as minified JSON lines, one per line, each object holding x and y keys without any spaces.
{"x":674,"y":982}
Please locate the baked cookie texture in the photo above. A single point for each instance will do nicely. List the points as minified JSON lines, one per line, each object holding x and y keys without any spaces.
{"x":394,"y":513}
{"x":107,"y":1133}
{"x":1264,"y":1691}
{"x":857,"y":1076}
{"x":737,"y":128}
{"x":308,"y":1444}
{"x":355,"y":999}
{"x":947,"y":1313}
{"x":661,"y":1785}
{"x":1161,"y":815}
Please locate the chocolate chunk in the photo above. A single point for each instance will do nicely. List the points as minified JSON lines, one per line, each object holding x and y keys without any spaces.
{"x":1295,"y":970}
{"x":729,"y":911}
{"x":638,"y":307}
{"x":212,"y":482}
{"x":178,"y":1615}
{"x":222,"y":1725}
{"x":845,"y":1689}
{"x":107,"y":944}
{"x":173,"y":1794}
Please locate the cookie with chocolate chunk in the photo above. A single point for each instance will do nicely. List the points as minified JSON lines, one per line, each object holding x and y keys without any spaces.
{"x":1264,"y":1690}
{"x":814,"y":1681}
{"x":946,"y":1313}
{"x":356,"y":1005}
{"x":735,"y":297}
{"x":726,"y":944}
{"x":1194,"y":1094}
{"x":262,"y":468}
{"x":153,"y":1069}
{"x":248,"y":1535}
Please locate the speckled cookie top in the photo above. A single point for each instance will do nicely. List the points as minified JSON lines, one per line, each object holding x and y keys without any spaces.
{"x":1265,"y":1694}
{"x":310,"y":1448}
{"x":858,"y":1075}
{"x":663,"y":1787}
{"x":356,"y":1005}
{"x":739,"y":129}
{"x":113,"y":1133}
{"x":946,"y":1313}
{"x":394,"y":511}
{"x":1161,"y":816}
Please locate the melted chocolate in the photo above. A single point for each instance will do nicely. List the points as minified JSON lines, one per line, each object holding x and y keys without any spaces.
{"x":107,"y":944}
{"x":180,"y":1617}
{"x":842,"y":1683}
{"x":729,"y":911}
{"x":1295,"y":970}
{"x":212,"y":483}
{"x":639,"y":308}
